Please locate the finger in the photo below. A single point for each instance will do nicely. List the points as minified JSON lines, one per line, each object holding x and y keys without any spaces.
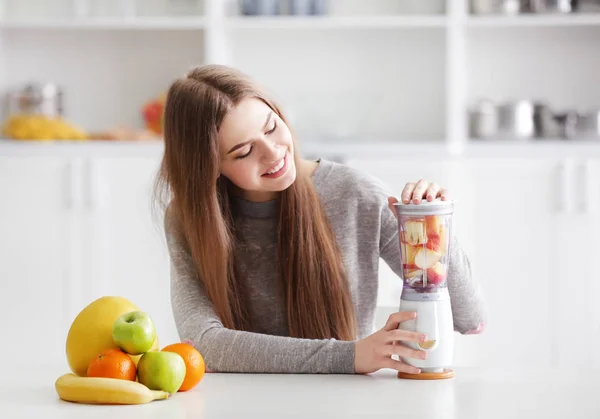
{"x":399,"y":334}
{"x":407,"y":192}
{"x":400,"y":366}
{"x":432,"y":191}
{"x":395,"y":319}
{"x":419,"y":192}
{"x":443,"y":194}
{"x":405,"y":351}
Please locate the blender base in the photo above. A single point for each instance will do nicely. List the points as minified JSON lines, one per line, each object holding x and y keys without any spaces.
{"x":427,"y":375}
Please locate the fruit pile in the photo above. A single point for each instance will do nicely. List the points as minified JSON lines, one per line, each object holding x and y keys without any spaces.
{"x":112,"y":350}
{"x":424,"y":248}
{"x":153,"y":114}
{"x":40,"y":127}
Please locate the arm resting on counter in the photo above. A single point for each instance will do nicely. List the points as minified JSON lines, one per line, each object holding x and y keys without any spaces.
{"x":226,"y":350}
{"x":466,"y":296}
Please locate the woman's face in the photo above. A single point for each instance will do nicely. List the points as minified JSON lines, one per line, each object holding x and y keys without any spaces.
{"x":257,"y":153}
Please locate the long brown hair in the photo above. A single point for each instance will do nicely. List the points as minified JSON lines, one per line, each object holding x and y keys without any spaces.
{"x":310,"y":274}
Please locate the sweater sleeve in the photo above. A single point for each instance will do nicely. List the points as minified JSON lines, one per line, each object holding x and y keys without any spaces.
{"x":226,"y":350}
{"x":466,"y":296}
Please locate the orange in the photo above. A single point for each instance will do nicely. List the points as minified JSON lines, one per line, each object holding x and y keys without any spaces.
{"x":112,"y":363}
{"x":194,"y":364}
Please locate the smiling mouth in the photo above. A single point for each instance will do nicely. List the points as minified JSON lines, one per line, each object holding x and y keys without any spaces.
{"x":276,"y":168}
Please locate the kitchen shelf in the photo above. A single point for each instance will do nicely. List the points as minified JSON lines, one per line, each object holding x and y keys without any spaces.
{"x":241,"y":22}
{"x":534,"y":21}
{"x":178,"y":23}
{"x":549,"y":148}
{"x":335,"y":22}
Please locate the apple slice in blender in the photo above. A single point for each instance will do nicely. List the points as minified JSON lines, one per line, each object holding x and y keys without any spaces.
{"x":437,"y":273}
{"x":434,"y":243}
{"x":415,"y":232}
{"x":432,"y":223}
{"x":408,"y":253}
{"x":412,"y":273}
{"x":444,"y":239}
{"x":426,"y":258}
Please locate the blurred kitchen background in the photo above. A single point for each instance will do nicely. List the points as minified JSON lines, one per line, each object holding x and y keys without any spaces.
{"x":499,"y":101}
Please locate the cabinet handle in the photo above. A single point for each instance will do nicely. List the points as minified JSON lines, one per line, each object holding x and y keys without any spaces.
{"x":564,"y":190}
{"x":587,"y":196}
{"x":95,"y":190}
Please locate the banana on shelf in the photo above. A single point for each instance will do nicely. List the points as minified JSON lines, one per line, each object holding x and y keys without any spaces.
{"x":96,"y":390}
{"x":41,"y":127}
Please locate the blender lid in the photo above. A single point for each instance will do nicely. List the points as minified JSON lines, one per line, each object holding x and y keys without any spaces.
{"x":435,"y":207}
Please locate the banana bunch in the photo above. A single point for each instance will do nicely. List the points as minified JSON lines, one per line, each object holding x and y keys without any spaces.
{"x":96,"y":390}
{"x":40,"y":127}
{"x":415,"y":232}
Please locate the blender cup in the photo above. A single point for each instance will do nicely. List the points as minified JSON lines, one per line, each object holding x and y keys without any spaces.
{"x":424,"y":240}
{"x":424,"y":231}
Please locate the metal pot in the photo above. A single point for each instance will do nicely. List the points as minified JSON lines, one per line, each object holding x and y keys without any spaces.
{"x":36,"y":98}
{"x":509,"y":7}
{"x":260,"y":7}
{"x":516,"y":119}
{"x":484,"y":120}
{"x":567,"y":123}
{"x":308,"y":7}
{"x":588,"y":125}
{"x":553,"y":6}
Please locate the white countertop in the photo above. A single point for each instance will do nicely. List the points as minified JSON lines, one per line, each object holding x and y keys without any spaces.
{"x":472,"y":394}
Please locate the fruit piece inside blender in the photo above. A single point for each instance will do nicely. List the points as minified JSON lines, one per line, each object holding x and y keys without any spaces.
{"x":424,"y":248}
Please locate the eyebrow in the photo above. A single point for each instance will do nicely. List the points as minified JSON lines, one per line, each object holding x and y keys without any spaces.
{"x":240,"y":145}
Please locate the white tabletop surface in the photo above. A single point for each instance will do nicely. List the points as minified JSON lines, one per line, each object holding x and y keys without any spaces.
{"x":473,"y":393}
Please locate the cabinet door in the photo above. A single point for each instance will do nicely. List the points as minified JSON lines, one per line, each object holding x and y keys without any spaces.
{"x":127,"y":253}
{"x":592,"y":212}
{"x":36,"y":232}
{"x":395,"y":173}
{"x":515,"y":260}
{"x":578,"y":312}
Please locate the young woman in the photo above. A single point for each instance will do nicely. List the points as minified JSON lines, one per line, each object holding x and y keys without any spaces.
{"x":274,"y":257}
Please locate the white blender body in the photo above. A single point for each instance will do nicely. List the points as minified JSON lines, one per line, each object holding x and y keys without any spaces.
{"x":425,"y":231}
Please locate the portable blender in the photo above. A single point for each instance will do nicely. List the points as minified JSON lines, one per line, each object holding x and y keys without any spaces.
{"x":425,"y":231}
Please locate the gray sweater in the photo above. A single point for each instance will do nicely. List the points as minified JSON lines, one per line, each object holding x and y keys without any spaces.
{"x":366,"y":230}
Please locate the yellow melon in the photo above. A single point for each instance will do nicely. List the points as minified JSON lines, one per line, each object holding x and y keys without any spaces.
{"x":91,"y":332}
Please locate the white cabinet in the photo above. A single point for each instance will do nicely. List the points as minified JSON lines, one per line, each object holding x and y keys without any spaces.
{"x":578,"y":281}
{"x":73,"y":230}
{"x":591,"y":261}
{"x":515,"y":213}
{"x":127,"y":251}
{"x":36,"y":233}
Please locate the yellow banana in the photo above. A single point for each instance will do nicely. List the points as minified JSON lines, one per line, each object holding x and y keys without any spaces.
{"x":97,"y":390}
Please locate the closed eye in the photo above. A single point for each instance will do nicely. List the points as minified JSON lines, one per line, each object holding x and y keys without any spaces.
{"x":272,"y":129}
{"x":245,"y":155}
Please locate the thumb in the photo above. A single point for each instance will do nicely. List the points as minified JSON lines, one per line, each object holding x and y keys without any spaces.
{"x":391,"y":201}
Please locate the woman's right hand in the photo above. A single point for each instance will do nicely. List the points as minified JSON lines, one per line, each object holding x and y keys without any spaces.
{"x":375,"y":351}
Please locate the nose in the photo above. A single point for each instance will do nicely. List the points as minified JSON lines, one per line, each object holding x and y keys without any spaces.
{"x":272,"y":152}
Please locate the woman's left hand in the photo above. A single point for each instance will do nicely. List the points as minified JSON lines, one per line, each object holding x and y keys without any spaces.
{"x":418,"y":191}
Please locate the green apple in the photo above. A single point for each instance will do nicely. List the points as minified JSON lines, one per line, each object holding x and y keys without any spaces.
{"x":164,"y":371}
{"x":134,"y":332}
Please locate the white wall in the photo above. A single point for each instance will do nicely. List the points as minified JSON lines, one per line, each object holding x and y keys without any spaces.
{"x":557,"y":65}
{"x":366,"y":85}
{"x":107,"y":76}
